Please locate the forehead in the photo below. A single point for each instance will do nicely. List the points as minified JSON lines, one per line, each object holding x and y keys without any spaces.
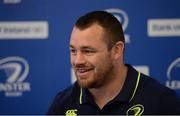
{"x":91,"y":36}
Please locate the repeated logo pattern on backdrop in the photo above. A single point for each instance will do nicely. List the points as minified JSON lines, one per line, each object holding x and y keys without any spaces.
{"x":24,"y":30}
{"x":34,"y":54}
{"x":173,"y":74}
{"x":15,"y":71}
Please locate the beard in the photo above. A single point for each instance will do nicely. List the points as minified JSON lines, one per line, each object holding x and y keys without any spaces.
{"x":99,"y":76}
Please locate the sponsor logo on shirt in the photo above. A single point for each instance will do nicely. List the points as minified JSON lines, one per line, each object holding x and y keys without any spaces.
{"x":71,"y":112}
{"x":135,"y":110}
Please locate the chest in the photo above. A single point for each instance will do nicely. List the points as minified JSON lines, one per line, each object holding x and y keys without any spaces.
{"x":115,"y":108}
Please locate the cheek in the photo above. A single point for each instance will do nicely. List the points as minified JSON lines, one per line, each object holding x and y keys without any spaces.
{"x":103,"y":63}
{"x":72,"y":60}
{"x":102,"y":59}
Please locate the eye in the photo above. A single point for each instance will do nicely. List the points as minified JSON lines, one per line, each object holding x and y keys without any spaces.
{"x":73,"y":51}
{"x":88,"y":51}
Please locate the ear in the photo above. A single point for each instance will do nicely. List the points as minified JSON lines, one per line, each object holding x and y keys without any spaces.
{"x":117,"y":50}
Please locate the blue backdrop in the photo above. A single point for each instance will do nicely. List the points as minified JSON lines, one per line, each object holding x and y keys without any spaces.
{"x":34,"y":46}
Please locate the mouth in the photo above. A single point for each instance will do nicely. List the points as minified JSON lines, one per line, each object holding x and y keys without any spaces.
{"x":83,"y":72}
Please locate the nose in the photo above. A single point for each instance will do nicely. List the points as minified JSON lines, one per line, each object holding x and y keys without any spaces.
{"x":79,"y":59}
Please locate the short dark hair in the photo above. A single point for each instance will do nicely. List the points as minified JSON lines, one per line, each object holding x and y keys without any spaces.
{"x":112,"y":27}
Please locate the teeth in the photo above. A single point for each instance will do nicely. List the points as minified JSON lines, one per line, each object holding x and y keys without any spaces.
{"x":81,"y":70}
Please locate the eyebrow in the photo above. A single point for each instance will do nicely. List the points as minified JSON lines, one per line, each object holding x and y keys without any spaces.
{"x":82,"y":47}
{"x":71,"y":46}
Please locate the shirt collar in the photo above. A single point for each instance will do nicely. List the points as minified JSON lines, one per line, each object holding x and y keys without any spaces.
{"x":86,"y":96}
{"x":130,"y":86}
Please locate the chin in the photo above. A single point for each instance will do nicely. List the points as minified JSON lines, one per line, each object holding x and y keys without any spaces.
{"x":88,"y":84}
{"x":85,"y":83}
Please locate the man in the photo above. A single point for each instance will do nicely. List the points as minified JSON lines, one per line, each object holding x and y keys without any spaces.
{"x":105,"y":85}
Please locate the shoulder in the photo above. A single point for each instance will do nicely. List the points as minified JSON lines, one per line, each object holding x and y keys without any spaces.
{"x":67,"y":93}
{"x":166,"y":98}
{"x":64,"y":99}
{"x":146,"y":83}
{"x":153,"y":85}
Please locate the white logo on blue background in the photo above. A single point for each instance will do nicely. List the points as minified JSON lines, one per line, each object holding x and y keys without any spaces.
{"x":123,"y":18}
{"x":15,"y":70}
{"x":173,"y":75}
{"x":12,"y":1}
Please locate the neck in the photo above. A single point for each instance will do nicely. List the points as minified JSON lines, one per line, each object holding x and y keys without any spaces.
{"x":110,"y":90}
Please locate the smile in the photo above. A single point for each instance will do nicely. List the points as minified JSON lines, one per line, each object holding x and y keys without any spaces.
{"x":82,"y":70}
